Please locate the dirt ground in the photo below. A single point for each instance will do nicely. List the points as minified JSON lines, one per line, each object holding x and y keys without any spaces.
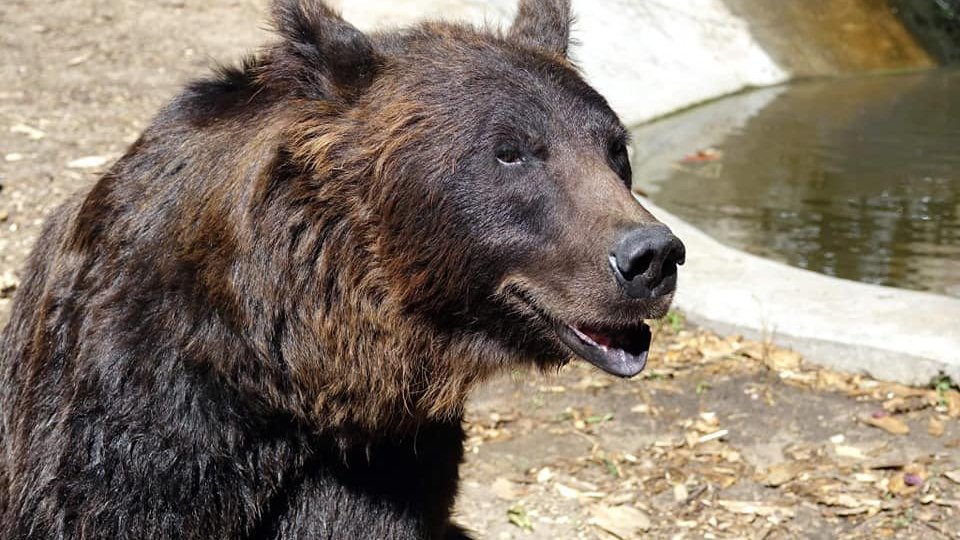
{"x":721,"y":438}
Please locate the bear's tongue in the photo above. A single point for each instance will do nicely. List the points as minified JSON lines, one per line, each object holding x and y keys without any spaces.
{"x":622,"y":351}
{"x":603,"y":340}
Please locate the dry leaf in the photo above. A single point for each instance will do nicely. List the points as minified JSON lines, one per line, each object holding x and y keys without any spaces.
{"x":802,"y":379}
{"x":898,"y":486}
{"x":567,"y":492}
{"x":89,"y":162}
{"x":831,"y":380}
{"x":31,"y":132}
{"x":731,"y":456}
{"x":909,"y":481}
{"x":952,"y":397}
{"x":716,"y":349}
{"x":900,"y":390}
{"x":754,"y":508}
{"x":784,"y":359}
{"x":625,"y":522}
{"x":846,"y":451}
{"x":953,"y":476}
{"x":866,"y":478}
{"x":847,"y":500}
{"x":505,"y":489}
{"x":79,"y":59}
{"x":779,"y":475}
{"x":905,"y":404}
{"x":890,"y":424}
{"x":680,"y":493}
{"x":849,"y":512}
{"x":713,"y":436}
{"x":936,"y":427}
{"x":545,"y":475}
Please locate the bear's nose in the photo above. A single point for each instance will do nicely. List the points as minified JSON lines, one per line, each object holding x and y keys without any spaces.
{"x":645,"y":260}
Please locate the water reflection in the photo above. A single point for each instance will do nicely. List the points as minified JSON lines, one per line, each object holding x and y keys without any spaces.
{"x":855,"y":178}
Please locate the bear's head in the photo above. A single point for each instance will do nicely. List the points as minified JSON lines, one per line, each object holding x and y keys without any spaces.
{"x":478,"y":192}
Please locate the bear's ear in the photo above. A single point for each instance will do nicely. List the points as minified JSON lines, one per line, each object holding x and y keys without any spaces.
{"x":333,"y":58}
{"x":543,"y":24}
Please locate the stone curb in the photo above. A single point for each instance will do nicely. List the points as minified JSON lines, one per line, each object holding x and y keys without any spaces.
{"x":890,"y":334}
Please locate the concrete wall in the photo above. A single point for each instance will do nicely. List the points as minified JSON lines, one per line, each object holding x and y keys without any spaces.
{"x":831,"y":37}
{"x":653,"y":57}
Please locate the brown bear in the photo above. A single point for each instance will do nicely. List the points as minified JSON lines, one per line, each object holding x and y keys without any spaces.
{"x":263,"y":321}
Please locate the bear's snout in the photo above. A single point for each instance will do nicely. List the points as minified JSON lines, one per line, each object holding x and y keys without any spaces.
{"x":644,"y":261}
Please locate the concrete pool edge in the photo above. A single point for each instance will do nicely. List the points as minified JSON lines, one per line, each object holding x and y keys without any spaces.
{"x":891,"y":334}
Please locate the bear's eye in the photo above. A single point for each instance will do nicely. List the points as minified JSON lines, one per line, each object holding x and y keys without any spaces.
{"x":510,"y":155}
{"x":620,"y":161}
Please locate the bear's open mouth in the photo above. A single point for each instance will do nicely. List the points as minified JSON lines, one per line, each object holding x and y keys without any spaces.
{"x":618,"y":350}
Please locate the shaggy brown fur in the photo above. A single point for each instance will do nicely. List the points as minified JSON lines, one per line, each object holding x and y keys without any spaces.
{"x":264,"y":320}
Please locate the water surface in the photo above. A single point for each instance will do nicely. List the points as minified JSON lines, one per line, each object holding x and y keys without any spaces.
{"x":856,"y":178}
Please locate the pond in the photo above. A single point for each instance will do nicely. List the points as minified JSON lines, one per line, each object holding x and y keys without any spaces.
{"x":857,"y":178}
